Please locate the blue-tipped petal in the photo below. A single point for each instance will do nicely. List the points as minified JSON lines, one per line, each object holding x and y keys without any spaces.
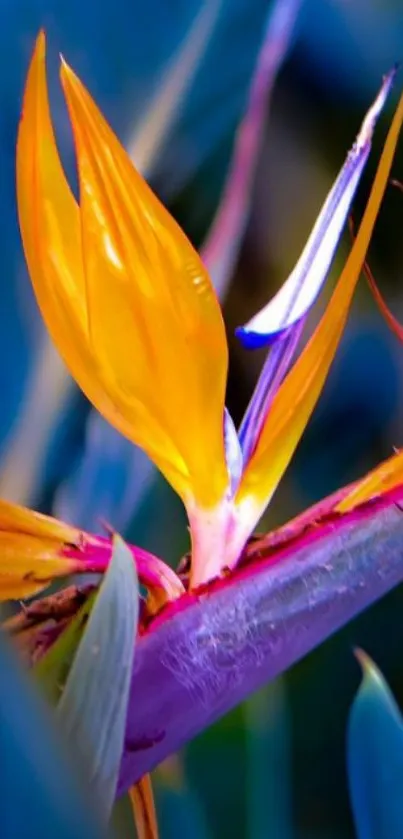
{"x":299,"y":292}
{"x":233,"y":452}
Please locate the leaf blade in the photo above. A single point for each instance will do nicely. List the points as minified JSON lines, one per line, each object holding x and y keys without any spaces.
{"x":375,"y":758}
{"x":93,"y":707}
{"x":39,"y":796}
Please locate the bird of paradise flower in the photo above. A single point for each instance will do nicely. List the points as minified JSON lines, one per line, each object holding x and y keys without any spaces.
{"x":131,"y":308}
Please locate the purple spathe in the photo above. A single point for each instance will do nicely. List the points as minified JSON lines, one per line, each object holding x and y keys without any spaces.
{"x":222,"y":645}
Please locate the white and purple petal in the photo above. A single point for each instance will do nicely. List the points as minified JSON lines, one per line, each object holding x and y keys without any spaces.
{"x":274,"y":370}
{"x":233,"y":452}
{"x":299,"y":292}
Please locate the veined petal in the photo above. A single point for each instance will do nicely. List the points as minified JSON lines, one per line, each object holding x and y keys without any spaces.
{"x":296,"y":398}
{"x":299,"y":292}
{"x":387,"y":475}
{"x":36,"y":549}
{"x":31,"y":523}
{"x":139,"y":326}
{"x":31,"y":551}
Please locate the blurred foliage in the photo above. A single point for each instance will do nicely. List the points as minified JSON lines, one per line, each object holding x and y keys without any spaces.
{"x":40,"y":795}
{"x":277,"y":767}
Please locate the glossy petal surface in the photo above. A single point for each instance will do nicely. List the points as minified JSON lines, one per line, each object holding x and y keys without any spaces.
{"x":387,"y":475}
{"x":124,"y":294}
{"x":31,"y":548}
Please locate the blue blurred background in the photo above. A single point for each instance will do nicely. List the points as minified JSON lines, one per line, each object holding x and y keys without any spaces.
{"x":275,"y":767}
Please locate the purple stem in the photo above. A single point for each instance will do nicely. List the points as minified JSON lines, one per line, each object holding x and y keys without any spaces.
{"x":219,"y":647}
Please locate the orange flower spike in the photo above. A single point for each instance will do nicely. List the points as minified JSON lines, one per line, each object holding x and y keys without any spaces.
{"x":31,"y":523}
{"x":124,"y":294}
{"x":36,"y":549}
{"x":384,"y":477}
{"x":32,"y":551}
{"x":127,"y":301}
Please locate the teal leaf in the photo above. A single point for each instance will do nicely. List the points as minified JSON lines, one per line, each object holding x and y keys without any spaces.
{"x":268,"y":762}
{"x":181,"y":813}
{"x":93,"y":707}
{"x":375,"y":758}
{"x":39,"y":795}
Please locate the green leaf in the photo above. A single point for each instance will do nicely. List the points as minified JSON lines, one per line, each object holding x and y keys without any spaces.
{"x":93,"y":708}
{"x":375,"y":758}
{"x":53,"y":668}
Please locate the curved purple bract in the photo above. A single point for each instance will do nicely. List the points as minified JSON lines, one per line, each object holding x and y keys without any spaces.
{"x":209,"y":656}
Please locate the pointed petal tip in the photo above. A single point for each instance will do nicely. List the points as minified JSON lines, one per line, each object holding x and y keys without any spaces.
{"x":364,"y":660}
{"x":367,"y":128}
{"x":66,"y":73}
{"x":299,"y":392}
{"x":298,"y":294}
{"x":252,"y":339}
{"x":249,"y":339}
{"x":371,"y":673}
{"x":40,"y":43}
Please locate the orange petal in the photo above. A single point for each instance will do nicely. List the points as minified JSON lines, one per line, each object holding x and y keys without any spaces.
{"x":300,"y":390}
{"x":22,"y":520}
{"x":155,"y":326}
{"x":387,"y":475}
{"x":132,"y":311}
{"x":51,"y":228}
{"x":29,"y":563}
{"x":31,"y":551}
{"x":48,"y":213}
